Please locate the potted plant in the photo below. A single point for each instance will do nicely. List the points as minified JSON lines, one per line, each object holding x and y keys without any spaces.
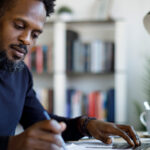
{"x":65,"y":13}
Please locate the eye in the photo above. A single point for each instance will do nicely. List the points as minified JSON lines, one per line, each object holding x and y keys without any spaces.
{"x":19,"y":26}
{"x":35,"y":35}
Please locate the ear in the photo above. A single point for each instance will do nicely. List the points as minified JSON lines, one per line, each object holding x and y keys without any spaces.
{"x":146,"y":22}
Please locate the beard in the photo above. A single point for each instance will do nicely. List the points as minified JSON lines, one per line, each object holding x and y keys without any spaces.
{"x":9,"y":65}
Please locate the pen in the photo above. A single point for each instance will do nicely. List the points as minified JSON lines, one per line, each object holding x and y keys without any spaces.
{"x":48,"y":118}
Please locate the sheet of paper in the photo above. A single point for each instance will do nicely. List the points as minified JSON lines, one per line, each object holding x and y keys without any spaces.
{"x":90,"y":145}
{"x":80,"y":147}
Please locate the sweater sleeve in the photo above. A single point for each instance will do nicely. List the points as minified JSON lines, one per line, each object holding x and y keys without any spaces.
{"x":3,"y":142}
{"x":33,"y":112}
{"x":72,"y":132}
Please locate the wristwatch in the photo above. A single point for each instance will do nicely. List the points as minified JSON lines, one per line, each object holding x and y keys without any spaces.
{"x":84,"y":125}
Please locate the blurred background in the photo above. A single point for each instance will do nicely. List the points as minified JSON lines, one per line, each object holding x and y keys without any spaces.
{"x":93,"y":58}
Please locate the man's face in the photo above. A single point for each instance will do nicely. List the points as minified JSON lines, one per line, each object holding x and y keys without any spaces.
{"x":20,"y":28}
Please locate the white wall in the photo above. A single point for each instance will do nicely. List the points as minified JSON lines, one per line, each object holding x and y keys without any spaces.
{"x":137,"y":40}
{"x":81,"y":8}
{"x":138,"y":48}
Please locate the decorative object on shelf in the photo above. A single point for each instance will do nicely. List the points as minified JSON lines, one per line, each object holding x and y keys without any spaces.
{"x":65,"y":13}
{"x":104,"y":9}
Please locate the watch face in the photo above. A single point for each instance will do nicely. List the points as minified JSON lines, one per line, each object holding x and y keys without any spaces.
{"x":146,"y":22}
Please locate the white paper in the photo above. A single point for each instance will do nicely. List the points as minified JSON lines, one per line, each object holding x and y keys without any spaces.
{"x":79,"y":147}
{"x":90,"y":145}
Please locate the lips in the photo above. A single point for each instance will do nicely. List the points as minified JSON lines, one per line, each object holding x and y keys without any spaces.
{"x":18,"y":52}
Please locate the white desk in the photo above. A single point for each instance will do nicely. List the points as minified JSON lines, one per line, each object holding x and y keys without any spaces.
{"x":118,"y":143}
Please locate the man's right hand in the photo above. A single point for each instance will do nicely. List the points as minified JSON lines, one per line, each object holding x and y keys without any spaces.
{"x":44,"y":135}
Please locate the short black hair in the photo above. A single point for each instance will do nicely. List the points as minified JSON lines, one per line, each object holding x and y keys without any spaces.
{"x":49,"y":6}
{"x":8,"y":4}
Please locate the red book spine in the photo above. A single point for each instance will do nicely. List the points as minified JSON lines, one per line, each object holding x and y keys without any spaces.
{"x":99,"y":106}
{"x":91,"y":106}
{"x":39,"y":59}
{"x":50,"y":101}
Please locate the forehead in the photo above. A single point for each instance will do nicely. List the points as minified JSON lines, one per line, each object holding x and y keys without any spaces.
{"x":32,"y":11}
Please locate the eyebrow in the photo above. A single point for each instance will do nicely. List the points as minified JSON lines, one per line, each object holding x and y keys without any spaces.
{"x":25,"y":22}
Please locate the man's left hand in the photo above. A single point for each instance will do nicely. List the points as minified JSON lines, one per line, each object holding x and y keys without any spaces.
{"x":103,"y":130}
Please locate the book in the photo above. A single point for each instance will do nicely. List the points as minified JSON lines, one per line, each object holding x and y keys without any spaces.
{"x":97,"y":56}
{"x":84,"y":104}
{"x":78,"y":56}
{"x":91,"y":104}
{"x":39,"y":59}
{"x":33,"y":59}
{"x":87,"y":55}
{"x":42,"y":95}
{"x":50,"y":59}
{"x":76,"y":106}
{"x":45,"y":57}
{"x":69,"y":98}
{"x":110,"y":105}
{"x":45,"y":96}
{"x":71,"y":36}
{"x":109,"y":56}
{"x":99,"y":104}
{"x":50,"y":101}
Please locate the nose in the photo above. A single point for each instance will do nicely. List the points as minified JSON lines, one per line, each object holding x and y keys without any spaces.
{"x":24,"y":38}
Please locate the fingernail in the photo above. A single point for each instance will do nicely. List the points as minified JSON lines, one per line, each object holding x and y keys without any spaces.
{"x":132,"y":143}
{"x":109,"y":141}
{"x":55,"y":124}
{"x":139,"y":142}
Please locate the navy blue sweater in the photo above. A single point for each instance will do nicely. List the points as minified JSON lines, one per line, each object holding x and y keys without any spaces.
{"x":19,"y":104}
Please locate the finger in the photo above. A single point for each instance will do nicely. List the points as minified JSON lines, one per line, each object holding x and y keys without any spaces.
{"x":124,"y":135}
{"x":131,"y":132}
{"x":50,"y":125}
{"x":42,"y":145}
{"x":46,"y":136}
{"x":103,"y":137}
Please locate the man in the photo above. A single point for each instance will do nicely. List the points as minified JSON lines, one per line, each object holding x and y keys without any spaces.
{"x":21,"y":22}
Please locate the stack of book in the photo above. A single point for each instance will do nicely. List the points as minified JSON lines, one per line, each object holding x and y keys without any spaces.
{"x":40,"y":59}
{"x":96,"y":56}
{"x":45,"y":96}
{"x":99,"y":104}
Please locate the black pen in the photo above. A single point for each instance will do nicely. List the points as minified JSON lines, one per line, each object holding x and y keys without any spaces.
{"x":48,"y":118}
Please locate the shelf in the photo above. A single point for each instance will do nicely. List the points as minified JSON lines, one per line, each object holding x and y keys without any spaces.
{"x":44,"y":74}
{"x":81,"y":21}
{"x":89,"y":73}
{"x":60,"y":80}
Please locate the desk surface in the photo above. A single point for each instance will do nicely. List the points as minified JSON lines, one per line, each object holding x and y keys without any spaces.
{"x":118,"y":143}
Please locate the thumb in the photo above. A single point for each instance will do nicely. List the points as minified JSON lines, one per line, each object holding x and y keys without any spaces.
{"x":63,"y":126}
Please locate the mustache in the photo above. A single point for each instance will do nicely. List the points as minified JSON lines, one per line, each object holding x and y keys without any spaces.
{"x":20,"y":46}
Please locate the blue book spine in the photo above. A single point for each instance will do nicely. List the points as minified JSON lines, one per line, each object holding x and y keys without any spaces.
{"x":111,"y":105}
{"x":70,"y":92}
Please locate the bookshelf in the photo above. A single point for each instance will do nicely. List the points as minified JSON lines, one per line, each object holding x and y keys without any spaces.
{"x":61,"y":80}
